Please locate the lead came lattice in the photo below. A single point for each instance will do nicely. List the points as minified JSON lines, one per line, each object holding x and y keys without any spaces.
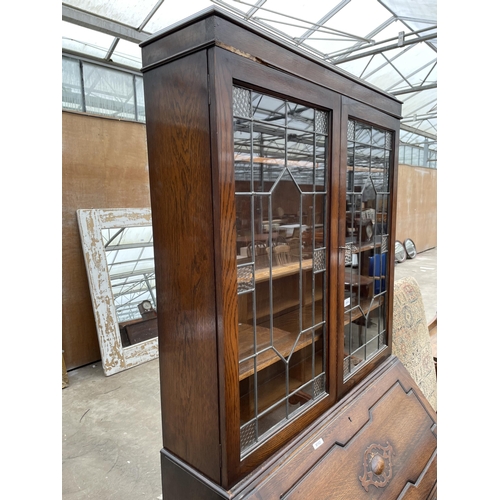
{"x":319,"y":263}
{"x":321,"y":122}
{"x":350,"y":130}
{"x":245,"y":278}
{"x":319,"y":385}
{"x":388,"y":140}
{"x":248,"y":435}
{"x":241,"y":99}
{"x":367,"y":196}
{"x":281,"y":147}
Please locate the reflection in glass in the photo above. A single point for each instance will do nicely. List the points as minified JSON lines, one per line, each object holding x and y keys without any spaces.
{"x":130,"y":262}
{"x":280,"y":155}
{"x":268,"y":109}
{"x":367,"y":226}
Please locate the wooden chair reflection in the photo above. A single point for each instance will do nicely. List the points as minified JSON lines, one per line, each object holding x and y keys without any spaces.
{"x":294,"y":244}
{"x":259,"y":254}
{"x":280,"y":254}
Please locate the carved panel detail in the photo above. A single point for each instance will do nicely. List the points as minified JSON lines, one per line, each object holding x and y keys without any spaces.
{"x":377,"y":465}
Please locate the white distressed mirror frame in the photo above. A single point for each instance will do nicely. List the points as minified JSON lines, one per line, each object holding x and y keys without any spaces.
{"x":91,"y":222}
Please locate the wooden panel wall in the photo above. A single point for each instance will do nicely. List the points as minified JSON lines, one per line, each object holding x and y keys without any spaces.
{"x":417,"y":206}
{"x":104,"y":165}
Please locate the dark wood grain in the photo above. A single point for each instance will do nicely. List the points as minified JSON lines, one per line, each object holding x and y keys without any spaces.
{"x":180,"y":42}
{"x":141,"y":330}
{"x":386,"y":407}
{"x":181,"y":201}
{"x":396,"y":419}
{"x":182,"y":483}
{"x":283,"y":342}
{"x":271,"y":54}
{"x":326,"y":460}
{"x":221,"y":116}
{"x":214,"y":26}
{"x":228,"y":68}
{"x":189,"y":73}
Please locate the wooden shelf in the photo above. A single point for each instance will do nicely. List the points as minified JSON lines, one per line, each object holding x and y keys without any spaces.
{"x":238,"y":157}
{"x":282,"y":271}
{"x":358,"y":280}
{"x":365,"y":306}
{"x":366,"y":169}
{"x":286,"y":295}
{"x":364,"y":246}
{"x":273,"y":390}
{"x":361,"y":280}
{"x":283,"y":342}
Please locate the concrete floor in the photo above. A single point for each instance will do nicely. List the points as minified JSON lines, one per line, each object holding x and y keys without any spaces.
{"x":111,"y":427}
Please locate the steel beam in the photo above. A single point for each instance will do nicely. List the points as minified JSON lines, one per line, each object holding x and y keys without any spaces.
{"x":416,"y":131}
{"x":417,"y":88}
{"x":419,"y":118}
{"x":385,"y":48}
{"x":93,"y":22}
{"x":323,"y":20}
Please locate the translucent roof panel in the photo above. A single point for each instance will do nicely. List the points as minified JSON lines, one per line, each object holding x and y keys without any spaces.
{"x":128,"y":54}
{"x":391,"y":44}
{"x":85,"y":41}
{"x":168,"y":14}
{"x":127,"y":12}
{"x":416,"y":14}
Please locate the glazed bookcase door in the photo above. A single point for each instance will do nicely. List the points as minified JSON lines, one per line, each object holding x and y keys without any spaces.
{"x":280,"y":160}
{"x":275,"y":245}
{"x":248,"y":151}
{"x":368,"y":264}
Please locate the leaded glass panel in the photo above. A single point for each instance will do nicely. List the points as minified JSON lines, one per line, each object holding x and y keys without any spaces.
{"x":241,"y":102}
{"x":280,"y":154}
{"x":320,"y":162}
{"x":300,"y":117}
{"x":367,"y":242}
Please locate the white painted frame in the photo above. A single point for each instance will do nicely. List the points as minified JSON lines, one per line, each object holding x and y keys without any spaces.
{"x":91,"y":222}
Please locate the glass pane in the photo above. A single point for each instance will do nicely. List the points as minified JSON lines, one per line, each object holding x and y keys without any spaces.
{"x":361,"y":155}
{"x":362,"y":133}
{"x":71,"y":84}
{"x":321,"y":122}
{"x":367,"y":239}
{"x":300,"y":159}
{"x":139,"y":92}
{"x":108,"y":92}
{"x":378,"y":138}
{"x":377,"y":159}
{"x":268,"y":155}
{"x":242,"y":155}
{"x":320,"y":164}
{"x":281,"y":259}
{"x":300,"y":117}
{"x":268,"y":109}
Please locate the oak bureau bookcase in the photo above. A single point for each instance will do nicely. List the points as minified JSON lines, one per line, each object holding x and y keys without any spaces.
{"x":273,"y":181}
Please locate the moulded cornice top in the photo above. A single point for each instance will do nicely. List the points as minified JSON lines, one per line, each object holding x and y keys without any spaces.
{"x":214,"y":35}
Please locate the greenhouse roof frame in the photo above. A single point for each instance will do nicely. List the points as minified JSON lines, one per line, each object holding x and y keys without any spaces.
{"x":390,"y":44}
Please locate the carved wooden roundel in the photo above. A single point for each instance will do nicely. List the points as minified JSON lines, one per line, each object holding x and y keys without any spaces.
{"x":377,"y":465}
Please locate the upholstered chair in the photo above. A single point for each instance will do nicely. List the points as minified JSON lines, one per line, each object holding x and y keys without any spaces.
{"x":411,"y":342}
